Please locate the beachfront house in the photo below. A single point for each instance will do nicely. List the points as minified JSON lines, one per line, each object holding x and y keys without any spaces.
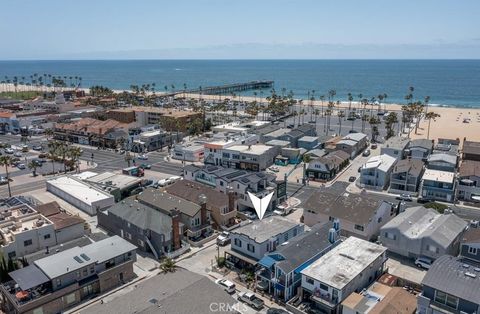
{"x":419,"y":149}
{"x":375,"y":173}
{"x":471,"y":150}
{"x":438,"y":185}
{"x":442,"y":161}
{"x":405,"y":177}
{"x":395,"y":146}
{"x":468,"y":188}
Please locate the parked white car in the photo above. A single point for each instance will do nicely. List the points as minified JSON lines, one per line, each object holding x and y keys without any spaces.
{"x":9,"y":151}
{"x":423,"y":262}
{"x":142,"y":157}
{"x":227,"y":285}
{"x":223,"y":238}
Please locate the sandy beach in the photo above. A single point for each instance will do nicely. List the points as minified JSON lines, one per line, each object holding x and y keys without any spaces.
{"x":450,"y":124}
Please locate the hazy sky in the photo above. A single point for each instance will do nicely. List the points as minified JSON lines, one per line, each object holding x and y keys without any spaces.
{"x":89,"y":29}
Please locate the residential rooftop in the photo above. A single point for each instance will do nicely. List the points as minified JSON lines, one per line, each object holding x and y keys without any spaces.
{"x":382,"y":162}
{"x":166,"y":202}
{"x":469,"y":168}
{"x":257,"y":149}
{"x":179,"y":292}
{"x":397,"y":142}
{"x":342,"y":264}
{"x":470,"y":147}
{"x":413,"y":167}
{"x":438,"y":175}
{"x":455,"y":276}
{"x":78,"y":257}
{"x":419,"y":222}
{"x":262,"y":230}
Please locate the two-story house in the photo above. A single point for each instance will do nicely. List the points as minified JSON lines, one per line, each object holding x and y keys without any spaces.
{"x":420,"y":231}
{"x":395,"y":146}
{"x":451,"y":285}
{"x":375,"y":173}
{"x":406,"y":176}
{"x":442,"y":162}
{"x":326,"y":168}
{"x":351,"y":266}
{"x":419,"y":149}
{"x":252,"y":241}
{"x":360,"y":215}
{"x":438,"y":185}
{"x":60,"y":281}
{"x":468,"y":187}
{"x":279,"y":271}
{"x":470,"y":244}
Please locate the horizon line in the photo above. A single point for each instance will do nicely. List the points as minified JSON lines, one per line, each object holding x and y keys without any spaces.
{"x":246,"y":59}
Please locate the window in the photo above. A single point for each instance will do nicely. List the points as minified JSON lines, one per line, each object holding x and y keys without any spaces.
{"x":295,"y":231}
{"x":323,"y":287}
{"x":359,"y":227}
{"x":140,"y":242}
{"x":128,"y":224}
{"x":251,"y":248}
{"x":379,"y":220}
{"x":59,"y":282}
{"x":12,"y":255}
{"x":78,"y":274}
{"x":92,"y":269}
{"x":390,"y":236}
{"x":85,"y":272}
{"x":237,"y":242}
{"x":70,"y":298}
{"x":286,"y":237}
{"x":221,"y":183}
{"x":38,"y":310}
{"x":47,"y":236}
{"x":27,"y":242}
{"x":472,"y":250}
{"x":330,"y":218}
{"x":310,"y":281}
{"x":446,"y":299}
{"x":432,"y":248}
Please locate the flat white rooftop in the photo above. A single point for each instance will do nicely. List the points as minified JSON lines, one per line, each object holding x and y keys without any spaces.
{"x":382,"y":162}
{"x":79,"y":190}
{"x":250,"y":149}
{"x":438,"y":175}
{"x":344,"y":262}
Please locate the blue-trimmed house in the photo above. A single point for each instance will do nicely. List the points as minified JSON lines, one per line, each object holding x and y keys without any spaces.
{"x":278,"y":272}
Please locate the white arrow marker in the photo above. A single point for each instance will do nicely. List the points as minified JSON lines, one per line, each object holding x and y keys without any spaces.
{"x":260,"y":204}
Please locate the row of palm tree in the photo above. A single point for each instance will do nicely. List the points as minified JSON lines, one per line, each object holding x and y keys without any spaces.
{"x":40,"y":81}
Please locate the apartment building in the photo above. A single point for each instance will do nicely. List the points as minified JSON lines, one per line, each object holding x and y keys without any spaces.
{"x":246,"y":157}
{"x":58,"y":282}
{"x":438,"y":185}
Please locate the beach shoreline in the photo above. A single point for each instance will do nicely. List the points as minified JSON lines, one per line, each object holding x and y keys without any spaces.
{"x":450,"y":124}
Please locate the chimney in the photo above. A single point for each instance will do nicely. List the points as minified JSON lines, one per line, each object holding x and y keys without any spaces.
{"x":231,"y":199}
{"x":203,"y":209}
{"x":175,"y":214}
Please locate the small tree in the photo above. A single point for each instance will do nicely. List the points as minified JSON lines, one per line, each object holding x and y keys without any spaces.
{"x":168,"y":265}
{"x":33,"y":166}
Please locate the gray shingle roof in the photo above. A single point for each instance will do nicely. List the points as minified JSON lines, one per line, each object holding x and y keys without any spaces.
{"x":166,"y":202}
{"x":412,"y":166}
{"x":355,"y":208}
{"x":303,"y":247}
{"x":143,"y":216}
{"x":397,"y":142}
{"x":420,"y":222}
{"x":448,"y":274}
{"x":173,"y":293}
{"x":262,"y":230}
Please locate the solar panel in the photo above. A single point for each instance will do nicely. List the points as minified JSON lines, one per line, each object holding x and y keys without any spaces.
{"x":235,"y":174}
{"x":85,"y":257}
{"x":78,"y":259}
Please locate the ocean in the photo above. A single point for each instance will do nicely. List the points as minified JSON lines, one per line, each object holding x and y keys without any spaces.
{"x":454,"y":83}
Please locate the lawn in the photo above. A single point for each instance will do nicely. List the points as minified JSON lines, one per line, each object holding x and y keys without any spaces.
{"x":22,"y":95}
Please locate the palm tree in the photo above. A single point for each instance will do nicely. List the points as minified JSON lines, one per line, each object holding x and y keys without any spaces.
{"x":168,"y":265}
{"x":429,"y":116}
{"x":7,"y":162}
{"x":53,"y":152}
{"x":340,"y":115}
{"x":74,"y":153}
{"x":374,"y":121}
{"x":33,"y":166}
{"x":48,"y":132}
{"x":389,"y":122}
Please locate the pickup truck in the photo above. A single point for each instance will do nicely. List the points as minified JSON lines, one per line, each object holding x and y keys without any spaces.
{"x":251,"y":299}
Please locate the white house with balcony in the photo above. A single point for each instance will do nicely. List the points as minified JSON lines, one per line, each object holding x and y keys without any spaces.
{"x":375,"y":173}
